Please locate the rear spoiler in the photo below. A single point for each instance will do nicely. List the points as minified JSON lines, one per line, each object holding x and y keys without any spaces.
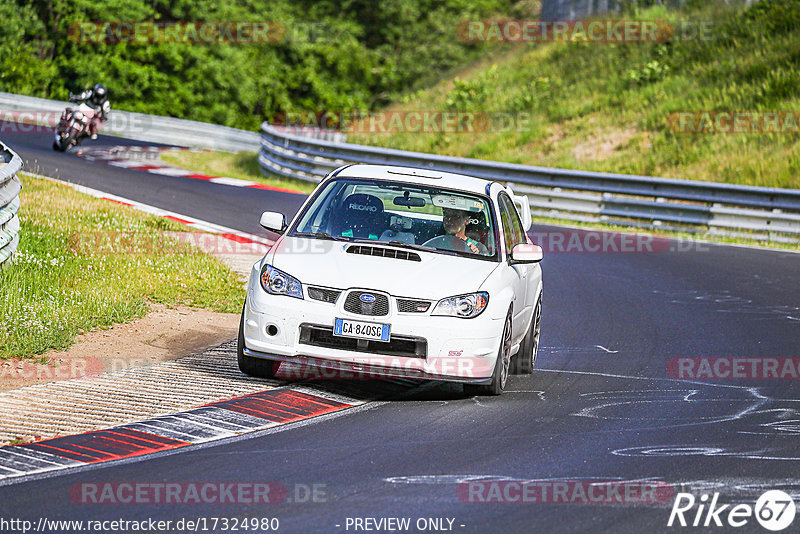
{"x":523,"y":208}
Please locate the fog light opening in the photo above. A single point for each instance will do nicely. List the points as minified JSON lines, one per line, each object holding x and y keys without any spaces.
{"x":272,"y":330}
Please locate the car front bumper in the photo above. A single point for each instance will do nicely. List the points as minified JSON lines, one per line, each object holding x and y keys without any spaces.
{"x":458,"y":350}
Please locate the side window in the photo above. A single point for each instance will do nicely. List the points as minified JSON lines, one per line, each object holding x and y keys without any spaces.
{"x":508,"y":227}
{"x":519,"y":232}
{"x":512,"y":226}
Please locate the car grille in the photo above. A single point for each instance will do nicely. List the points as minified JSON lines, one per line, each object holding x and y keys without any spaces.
{"x":384,"y":252}
{"x":412,"y":306}
{"x":379,"y":307}
{"x":405,"y":346}
{"x":323,"y":294}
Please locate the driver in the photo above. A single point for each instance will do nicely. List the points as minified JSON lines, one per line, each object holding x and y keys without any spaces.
{"x":455,"y":223}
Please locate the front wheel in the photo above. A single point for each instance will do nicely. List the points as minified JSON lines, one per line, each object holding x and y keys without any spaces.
{"x":525,"y":359}
{"x":61,"y":144}
{"x":68,"y":141}
{"x":257,"y":367}
{"x":501,"y":367}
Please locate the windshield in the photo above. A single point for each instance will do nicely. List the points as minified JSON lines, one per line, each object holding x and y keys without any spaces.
{"x":410,"y":215}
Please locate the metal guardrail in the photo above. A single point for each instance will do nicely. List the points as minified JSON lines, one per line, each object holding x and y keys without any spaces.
{"x":575,"y":9}
{"x":642,"y":201}
{"x":580,"y":9}
{"x":10,"y":186}
{"x":139,"y":126}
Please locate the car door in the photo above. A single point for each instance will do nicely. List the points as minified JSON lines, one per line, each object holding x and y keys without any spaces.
{"x":517,"y":275}
{"x":531,"y":270}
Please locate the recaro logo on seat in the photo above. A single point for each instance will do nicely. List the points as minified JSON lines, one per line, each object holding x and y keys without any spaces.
{"x":362,"y":207}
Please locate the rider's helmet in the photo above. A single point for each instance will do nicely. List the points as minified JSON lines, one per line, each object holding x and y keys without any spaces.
{"x":99,"y":94}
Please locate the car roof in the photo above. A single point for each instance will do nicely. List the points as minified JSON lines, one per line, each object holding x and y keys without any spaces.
{"x":416,"y":175}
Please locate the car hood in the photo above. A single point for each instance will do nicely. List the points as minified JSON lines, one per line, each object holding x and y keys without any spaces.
{"x":326,"y":263}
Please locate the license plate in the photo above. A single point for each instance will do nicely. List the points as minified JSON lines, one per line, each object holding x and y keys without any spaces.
{"x":361,"y":330}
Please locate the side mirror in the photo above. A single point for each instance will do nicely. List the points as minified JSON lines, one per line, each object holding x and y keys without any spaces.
{"x":272,"y":220}
{"x":526,"y":253}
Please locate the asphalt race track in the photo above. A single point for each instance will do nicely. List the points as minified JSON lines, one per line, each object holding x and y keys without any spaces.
{"x":601,"y":407}
{"x":216,"y":203}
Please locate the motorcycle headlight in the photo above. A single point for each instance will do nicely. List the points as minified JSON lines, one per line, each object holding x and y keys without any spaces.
{"x":276,"y":282}
{"x":465,"y":306}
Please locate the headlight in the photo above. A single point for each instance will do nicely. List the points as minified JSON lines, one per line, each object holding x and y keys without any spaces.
{"x":466,"y":306}
{"x":277,"y":282}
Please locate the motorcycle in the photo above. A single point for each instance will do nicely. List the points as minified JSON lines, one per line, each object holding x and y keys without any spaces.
{"x":73,"y":127}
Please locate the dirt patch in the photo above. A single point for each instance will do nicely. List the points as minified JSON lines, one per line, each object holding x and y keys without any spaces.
{"x":555,"y":137}
{"x":163,"y":334}
{"x":598,"y":147}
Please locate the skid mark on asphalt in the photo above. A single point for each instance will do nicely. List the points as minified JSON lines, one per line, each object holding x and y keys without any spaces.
{"x":681,"y":450}
{"x":745,"y":411}
{"x":724,"y":301}
{"x":601,"y":347}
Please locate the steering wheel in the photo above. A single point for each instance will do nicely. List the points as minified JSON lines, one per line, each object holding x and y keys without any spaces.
{"x":448,"y":242}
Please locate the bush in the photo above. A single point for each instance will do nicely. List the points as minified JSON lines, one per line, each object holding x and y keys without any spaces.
{"x":335,"y":56}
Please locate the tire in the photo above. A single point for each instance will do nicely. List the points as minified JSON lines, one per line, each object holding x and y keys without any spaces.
{"x":524,"y":361}
{"x":67,"y":142}
{"x":60,"y":145}
{"x":501,"y":367}
{"x":257,"y":367}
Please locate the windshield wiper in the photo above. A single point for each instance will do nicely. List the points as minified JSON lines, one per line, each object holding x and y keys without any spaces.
{"x":321,"y":235}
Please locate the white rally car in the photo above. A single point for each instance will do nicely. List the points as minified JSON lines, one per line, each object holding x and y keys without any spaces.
{"x":398,"y":272}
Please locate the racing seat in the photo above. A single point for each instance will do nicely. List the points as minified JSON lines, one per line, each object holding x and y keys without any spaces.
{"x":361,"y":216}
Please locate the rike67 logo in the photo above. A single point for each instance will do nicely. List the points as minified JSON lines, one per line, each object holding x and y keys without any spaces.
{"x":774,"y":510}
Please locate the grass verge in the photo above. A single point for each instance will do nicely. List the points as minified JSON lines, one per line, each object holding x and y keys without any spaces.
{"x":243,"y":165}
{"x":85,"y":263}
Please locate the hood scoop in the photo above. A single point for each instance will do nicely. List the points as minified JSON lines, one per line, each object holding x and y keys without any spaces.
{"x":383,"y":252}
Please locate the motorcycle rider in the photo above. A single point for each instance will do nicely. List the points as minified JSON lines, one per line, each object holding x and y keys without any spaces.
{"x":97,"y":99}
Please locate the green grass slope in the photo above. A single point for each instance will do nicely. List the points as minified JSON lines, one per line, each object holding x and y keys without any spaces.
{"x":607,"y":107}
